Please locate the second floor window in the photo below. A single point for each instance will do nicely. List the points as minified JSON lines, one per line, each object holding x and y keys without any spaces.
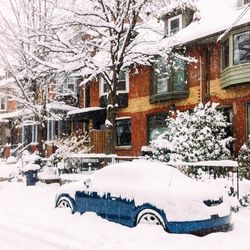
{"x":122,"y":86}
{"x":169,"y":76}
{"x":67,"y":85}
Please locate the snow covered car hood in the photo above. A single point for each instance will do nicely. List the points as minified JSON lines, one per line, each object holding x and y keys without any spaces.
{"x":163,"y":186}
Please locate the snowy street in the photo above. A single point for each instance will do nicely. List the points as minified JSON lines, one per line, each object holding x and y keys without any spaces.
{"x":28,"y":220}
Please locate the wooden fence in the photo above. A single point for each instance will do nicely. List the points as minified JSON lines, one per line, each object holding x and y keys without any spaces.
{"x":97,"y":141}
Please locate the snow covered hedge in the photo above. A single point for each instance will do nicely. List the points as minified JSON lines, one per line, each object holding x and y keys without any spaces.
{"x":194,"y":136}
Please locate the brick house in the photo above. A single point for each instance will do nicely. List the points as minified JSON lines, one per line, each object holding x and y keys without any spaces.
{"x":220,"y":73}
{"x":20,"y":129}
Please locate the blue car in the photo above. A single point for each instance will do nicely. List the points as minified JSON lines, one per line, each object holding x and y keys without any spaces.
{"x":149,"y":192}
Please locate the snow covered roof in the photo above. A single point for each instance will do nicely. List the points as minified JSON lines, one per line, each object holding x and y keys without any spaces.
{"x":15,"y":114}
{"x":215,"y":17}
{"x":60,"y":106}
{"x":84,"y":110}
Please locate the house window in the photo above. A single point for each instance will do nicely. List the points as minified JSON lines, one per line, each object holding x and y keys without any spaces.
{"x":122,"y":86}
{"x":170,"y":76}
{"x":225,"y":54}
{"x":123,"y":132}
{"x":67,"y":85}
{"x":156,"y":125}
{"x":29,"y":133}
{"x":55,"y":129}
{"x":174,"y":24}
{"x":3,"y":104}
{"x":241,"y":48}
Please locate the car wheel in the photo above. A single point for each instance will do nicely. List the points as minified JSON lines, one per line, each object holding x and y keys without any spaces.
{"x":149,"y":216}
{"x":65,"y":203}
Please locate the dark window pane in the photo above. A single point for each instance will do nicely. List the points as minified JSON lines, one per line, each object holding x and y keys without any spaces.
{"x":242,"y":48}
{"x":123,"y":132}
{"x":225,"y":54}
{"x":174,"y":25}
{"x":246,"y":1}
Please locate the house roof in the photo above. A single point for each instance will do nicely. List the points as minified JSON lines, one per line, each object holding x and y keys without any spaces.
{"x":215,"y":17}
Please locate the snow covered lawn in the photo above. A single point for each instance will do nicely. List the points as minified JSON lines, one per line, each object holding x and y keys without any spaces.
{"x":28,"y":220}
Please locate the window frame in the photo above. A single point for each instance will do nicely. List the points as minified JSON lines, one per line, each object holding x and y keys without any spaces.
{"x":34,"y":132}
{"x":117,"y":141}
{"x":102,"y":83}
{"x":170,"y":79}
{"x":233,"y":47}
{"x":55,"y":129}
{"x":162,"y":115}
{"x":173,"y":19}
{"x":63,"y":84}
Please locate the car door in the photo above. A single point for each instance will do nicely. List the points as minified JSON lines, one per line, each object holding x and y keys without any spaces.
{"x":119,"y":210}
{"x":88,"y":200}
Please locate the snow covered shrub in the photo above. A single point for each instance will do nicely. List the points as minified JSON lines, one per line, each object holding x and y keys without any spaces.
{"x":75,"y":143}
{"x":194,"y":136}
{"x":244,"y":160}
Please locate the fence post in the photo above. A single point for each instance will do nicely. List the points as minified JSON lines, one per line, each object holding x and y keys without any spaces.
{"x":7,"y":150}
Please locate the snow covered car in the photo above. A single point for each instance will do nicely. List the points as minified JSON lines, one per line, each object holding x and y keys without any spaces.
{"x":148,"y":192}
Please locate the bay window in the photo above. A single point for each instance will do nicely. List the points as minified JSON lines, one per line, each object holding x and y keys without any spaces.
{"x":235,"y":58}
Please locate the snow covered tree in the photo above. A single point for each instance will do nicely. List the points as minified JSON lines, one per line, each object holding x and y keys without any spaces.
{"x":27,"y":64}
{"x":244,"y":160}
{"x":192,"y":136}
{"x":100,"y":39}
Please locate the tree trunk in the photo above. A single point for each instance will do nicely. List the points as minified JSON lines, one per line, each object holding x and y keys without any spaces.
{"x":110,"y":124}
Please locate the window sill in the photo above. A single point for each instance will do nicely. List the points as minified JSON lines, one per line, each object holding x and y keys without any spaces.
{"x":123,"y":147}
{"x":236,"y":74}
{"x":168,"y":96}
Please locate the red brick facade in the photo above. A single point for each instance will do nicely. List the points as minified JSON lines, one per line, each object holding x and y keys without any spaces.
{"x":204,"y":88}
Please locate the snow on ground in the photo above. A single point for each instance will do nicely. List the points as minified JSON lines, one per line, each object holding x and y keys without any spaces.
{"x":28,"y":220}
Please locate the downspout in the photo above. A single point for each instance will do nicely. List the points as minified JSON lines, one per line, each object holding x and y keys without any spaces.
{"x":200,"y":81}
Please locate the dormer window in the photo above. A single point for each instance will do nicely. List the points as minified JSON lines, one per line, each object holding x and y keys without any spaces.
{"x":174,"y":24}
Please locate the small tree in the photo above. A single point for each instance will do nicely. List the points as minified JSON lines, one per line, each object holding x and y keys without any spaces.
{"x":194,"y":136}
{"x":244,"y":160}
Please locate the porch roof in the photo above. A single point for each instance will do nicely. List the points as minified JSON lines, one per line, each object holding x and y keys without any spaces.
{"x":97,"y":114}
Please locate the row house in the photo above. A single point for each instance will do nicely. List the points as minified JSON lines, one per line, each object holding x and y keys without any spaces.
{"x":219,"y":71}
{"x":20,"y":129}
